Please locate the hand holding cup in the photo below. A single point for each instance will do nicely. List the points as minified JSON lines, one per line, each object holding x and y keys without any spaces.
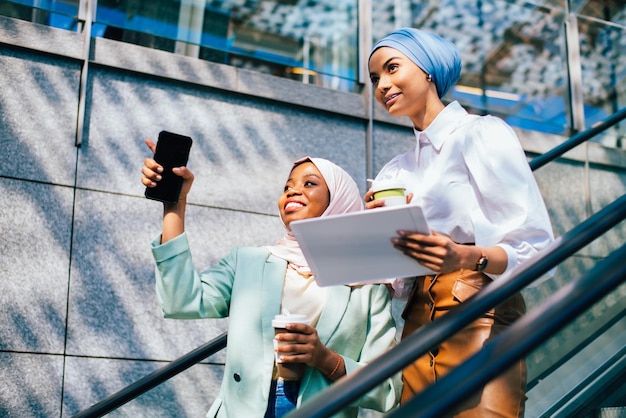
{"x":287,"y":370}
{"x":392,"y":192}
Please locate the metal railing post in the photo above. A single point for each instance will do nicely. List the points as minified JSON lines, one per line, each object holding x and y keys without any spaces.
{"x":86,"y":14}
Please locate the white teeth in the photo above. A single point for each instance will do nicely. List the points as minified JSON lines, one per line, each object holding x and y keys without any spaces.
{"x":293,"y":205}
{"x":390,"y":97}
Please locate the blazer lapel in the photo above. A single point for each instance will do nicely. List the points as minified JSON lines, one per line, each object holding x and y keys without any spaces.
{"x":331,"y":317}
{"x":272,"y":288}
{"x":269,"y":297}
{"x":333,"y":312}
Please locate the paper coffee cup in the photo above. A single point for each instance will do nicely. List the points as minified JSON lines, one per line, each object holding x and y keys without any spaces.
{"x":391,"y":191}
{"x":291,"y":371}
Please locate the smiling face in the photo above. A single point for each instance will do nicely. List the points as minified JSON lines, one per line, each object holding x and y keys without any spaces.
{"x":306,"y":194}
{"x":400,"y":85}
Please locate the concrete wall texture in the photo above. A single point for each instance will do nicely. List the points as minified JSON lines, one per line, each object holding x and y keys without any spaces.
{"x":79,"y":319}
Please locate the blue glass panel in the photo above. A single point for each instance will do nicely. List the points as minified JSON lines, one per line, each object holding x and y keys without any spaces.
{"x":289,"y":38}
{"x":602,"y":50}
{"x":512,"y":53}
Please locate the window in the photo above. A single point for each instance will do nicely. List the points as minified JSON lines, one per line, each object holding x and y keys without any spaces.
{"x":515,"y":62}
{"x":512,"y":56}
{"x":311,"y":41}
{"x":515,"y":59}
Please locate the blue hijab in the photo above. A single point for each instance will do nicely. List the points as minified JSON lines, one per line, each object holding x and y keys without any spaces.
{"x":433,"y":54}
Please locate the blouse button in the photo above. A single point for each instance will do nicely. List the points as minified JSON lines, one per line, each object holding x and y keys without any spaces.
{"x":237,"y":377}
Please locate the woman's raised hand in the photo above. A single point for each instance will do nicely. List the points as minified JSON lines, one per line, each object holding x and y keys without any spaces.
{"x":173,"y":214}
{"x":152,"y":173}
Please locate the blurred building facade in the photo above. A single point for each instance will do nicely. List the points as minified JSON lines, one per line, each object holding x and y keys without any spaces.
{"x":257,"y":84}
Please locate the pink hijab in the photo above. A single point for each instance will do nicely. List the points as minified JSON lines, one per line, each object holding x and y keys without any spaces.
{"x":344,"y":198}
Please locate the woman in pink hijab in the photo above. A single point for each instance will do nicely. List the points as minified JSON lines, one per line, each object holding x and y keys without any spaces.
{"x":348,"y":325}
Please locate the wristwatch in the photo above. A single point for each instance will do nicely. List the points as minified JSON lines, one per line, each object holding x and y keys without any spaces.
{"x":481,"y":264}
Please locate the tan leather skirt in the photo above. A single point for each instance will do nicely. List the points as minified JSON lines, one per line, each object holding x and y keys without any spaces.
{"x":432,"y":297}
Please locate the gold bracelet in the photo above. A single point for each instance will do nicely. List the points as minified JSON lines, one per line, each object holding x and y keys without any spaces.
{"x":336,"y":367}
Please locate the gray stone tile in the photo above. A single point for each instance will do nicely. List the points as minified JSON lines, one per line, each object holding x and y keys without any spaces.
{"x":40,"y":146}
{"x":297,"y":93}
{"x":606,"y":186}
{"x":164,"y":64}
{"x":563,"y":186}
{"x":188,"y":394}
{"x":242,"y":150}
{"x":113,"y":307}
{"x":563,"y":194}
{"x":35,"y":220}
{"x":31,"y":385}
{"x":43,"y":38}
{"x":389,"y":141}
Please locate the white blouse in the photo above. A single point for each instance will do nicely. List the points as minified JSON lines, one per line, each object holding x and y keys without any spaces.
{"x":470,"y":175}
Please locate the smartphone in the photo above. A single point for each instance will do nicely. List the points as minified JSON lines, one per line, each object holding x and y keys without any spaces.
{"x":172,"y":150}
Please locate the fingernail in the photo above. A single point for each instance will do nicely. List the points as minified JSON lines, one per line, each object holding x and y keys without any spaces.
{"x":159,"y":178}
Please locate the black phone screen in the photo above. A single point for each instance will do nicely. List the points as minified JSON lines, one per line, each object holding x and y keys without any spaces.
{"x":172,"y":150}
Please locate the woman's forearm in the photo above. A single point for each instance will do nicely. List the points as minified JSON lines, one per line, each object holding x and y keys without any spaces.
{"x":173,"y":220}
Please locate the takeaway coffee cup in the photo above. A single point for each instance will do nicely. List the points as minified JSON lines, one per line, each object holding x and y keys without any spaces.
{"x":391,"y":191}
{"x":290,"y":371}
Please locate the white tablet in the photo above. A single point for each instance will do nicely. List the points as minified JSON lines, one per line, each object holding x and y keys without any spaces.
{"x":356,"y":247}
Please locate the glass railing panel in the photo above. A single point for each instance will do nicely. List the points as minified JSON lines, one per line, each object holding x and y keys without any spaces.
{"x":602,"y":49}
{"x":597,"y":9}
{"x":512,"y":53}
{"x":58,"y":14}
{"x":576,"y":358}
{"x":153,"y":24}
{"x":312,"y":42}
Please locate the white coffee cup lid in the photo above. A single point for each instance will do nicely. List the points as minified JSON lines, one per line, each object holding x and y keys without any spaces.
{"x":379,"y":185}
{"x":281,"y":320}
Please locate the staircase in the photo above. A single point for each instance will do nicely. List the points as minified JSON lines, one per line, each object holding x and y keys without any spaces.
{"x":573,"y":337}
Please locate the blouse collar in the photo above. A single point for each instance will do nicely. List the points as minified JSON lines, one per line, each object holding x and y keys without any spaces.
{"x":442,"y":126}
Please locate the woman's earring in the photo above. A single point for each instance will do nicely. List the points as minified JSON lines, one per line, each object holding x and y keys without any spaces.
{"x":429,"y":78}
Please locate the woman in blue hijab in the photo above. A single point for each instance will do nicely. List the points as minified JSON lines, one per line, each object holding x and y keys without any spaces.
{"x":470,"y":175}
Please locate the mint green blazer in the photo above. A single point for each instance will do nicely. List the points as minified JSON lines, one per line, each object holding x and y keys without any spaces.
{"x":246,"y":287}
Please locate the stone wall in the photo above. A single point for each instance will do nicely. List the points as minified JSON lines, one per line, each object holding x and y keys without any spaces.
{"x":79,"y":319}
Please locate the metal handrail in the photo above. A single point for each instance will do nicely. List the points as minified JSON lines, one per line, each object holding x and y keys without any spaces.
{"x":578,"y":401}
{"x":568,"y":352}
{"x":518,"y":340}
{"x":558,"y":151}
{"x":577,"y":139}
{"x":530,"y":273}
{"x":154,"y":379}
{"x":350,"y":388}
